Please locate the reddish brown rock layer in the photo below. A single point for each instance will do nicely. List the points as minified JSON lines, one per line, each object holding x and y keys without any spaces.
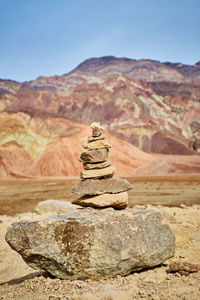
{"x":60,"y":159}
{"x":154,"y":106}
{"x":167,"y":104}
{"x":52,"y":147}
{"x":13,"y":159}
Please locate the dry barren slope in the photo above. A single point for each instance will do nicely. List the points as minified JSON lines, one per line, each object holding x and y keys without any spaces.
{"x":165,"y":108}
{"x":52,"y":147}
{"x":35,"y":146}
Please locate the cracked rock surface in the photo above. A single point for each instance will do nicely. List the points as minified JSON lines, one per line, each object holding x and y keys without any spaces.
{"x":90,"y":243}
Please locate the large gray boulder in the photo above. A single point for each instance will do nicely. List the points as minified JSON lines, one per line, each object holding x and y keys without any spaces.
{"x":93,"y":243}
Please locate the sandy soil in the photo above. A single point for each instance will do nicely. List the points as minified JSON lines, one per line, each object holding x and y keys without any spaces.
{"x":20,"y":282}
{"x":21,"y":195}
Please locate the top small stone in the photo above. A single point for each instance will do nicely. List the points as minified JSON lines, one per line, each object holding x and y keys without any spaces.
{"x":96,"y":129}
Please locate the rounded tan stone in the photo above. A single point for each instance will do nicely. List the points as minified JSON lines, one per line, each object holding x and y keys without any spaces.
{"x":97,"y":173}
{"x":95,"y":138}
{"x":119,"y":200}
{"x":100,"y":144}
{"x":93,"y":156}
{"x":55,"y":206}
{"x":111,"y":185}
{"x":97,"y":165}
{"x":96,"y":132}
{"x":96,"y":129}
{"x":96,"y":125}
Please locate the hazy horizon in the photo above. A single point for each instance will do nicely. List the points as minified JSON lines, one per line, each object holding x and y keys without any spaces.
{"x":85,"y":60}
{"x":46,"y":38}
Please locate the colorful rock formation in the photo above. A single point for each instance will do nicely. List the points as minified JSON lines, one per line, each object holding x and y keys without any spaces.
{"x":98,"y":187}
{"x":154,"y":106}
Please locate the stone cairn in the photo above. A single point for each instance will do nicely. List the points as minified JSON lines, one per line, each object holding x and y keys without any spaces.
{"x":90,"y":243}
{"x":98,"y":187}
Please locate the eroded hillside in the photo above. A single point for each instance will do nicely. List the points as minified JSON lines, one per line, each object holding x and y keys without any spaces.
{"x":151,"y":105}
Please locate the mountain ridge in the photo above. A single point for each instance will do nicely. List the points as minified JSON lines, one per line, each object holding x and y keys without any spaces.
{"x":148,"y":104}
{"x":110,"y":59}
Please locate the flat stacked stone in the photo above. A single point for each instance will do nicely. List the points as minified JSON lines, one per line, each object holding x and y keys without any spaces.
{"x":98,"y":187}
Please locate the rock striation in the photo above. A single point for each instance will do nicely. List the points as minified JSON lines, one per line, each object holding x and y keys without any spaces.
{"x":98,"y":186}
{"x":91,"y":243}
{"x":152,"y":105}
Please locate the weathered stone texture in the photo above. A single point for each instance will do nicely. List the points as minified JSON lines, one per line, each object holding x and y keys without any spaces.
{"x":96,"y":138}
{"x":97,"y":165}
{"x":101,"y":144}
{"x":96,"y":129}
{"x":97,"y":173}
{"x":101,"y":186}
{"x":93,"y":243}
{"x":56,"y":206}
{"x":93,"y":156}
{"x":119,"y":200}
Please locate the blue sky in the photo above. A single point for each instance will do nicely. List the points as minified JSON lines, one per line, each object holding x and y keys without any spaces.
{"x":48,"y":37}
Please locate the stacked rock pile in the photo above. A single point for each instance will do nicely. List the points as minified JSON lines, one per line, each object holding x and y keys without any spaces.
{"x":98,"y":187}
{"x":90,"y":243}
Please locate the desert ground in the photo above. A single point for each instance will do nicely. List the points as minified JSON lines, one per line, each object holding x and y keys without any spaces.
{"x":21,"y":195}
{"x":176,"y":197}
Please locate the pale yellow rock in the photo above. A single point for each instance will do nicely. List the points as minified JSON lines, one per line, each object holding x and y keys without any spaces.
{"x":96,"y":125}
{"x":96,"y":173}
{"x":101,"y":165}
{"x":100,"y":144}
{"x":119,"y":200}
{"x":96,"y":129}
{"x":96,"y":138}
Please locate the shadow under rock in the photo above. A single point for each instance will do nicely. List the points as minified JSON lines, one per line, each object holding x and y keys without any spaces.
{"x":27,"y":277}
{"x":48,"y":275}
